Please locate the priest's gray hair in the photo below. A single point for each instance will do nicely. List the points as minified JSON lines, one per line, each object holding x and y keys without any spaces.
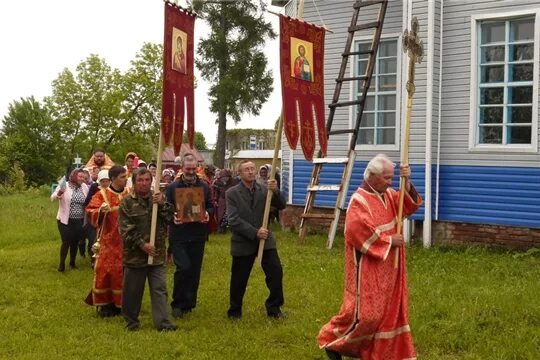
{"x":376,"y":165}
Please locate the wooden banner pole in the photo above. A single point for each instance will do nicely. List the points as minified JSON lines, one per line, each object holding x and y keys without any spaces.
{"x":157,"y":181}
{"x":415,"y":49}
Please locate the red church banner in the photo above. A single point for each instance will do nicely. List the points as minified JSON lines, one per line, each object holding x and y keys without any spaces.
{"x":302,"y":82}
{"x":178,"y":95}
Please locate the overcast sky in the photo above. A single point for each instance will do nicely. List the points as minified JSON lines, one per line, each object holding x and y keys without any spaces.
{"x":40,"y":38}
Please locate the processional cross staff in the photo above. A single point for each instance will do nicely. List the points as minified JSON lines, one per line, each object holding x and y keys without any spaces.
{"x":414,"y":47}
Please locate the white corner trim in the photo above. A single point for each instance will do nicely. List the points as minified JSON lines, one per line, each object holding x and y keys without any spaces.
{"x":429,"y":122}
{"x":291,"y":178}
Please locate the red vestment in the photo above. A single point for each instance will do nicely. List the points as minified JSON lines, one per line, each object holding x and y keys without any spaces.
{"x":373,"y":322}
{"x":108,"y":270}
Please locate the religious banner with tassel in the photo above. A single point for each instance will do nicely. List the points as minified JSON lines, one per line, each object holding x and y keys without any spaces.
{"x":178,"y":79}
{"x":178,"y":89}
{"x":302,"y":84}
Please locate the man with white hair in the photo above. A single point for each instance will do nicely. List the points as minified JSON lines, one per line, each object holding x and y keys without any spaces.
{"x":373,"y":322}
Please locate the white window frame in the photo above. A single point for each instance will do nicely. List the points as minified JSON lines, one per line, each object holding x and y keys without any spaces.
{"x":474,"y":145}
{"x":352,"y":114}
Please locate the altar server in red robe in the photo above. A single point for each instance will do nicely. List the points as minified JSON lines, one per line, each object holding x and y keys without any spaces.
{"x":103,"y":213}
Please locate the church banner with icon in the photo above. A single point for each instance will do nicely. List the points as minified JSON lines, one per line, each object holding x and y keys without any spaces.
{"x":302,"y":83}
{"x":178,"y":90}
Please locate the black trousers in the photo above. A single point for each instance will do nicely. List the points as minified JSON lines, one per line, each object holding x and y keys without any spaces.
{"x":273,"y":272}
{"x":90,"y":233}
{"x":188,"y":258}
{"x":70,"y":234}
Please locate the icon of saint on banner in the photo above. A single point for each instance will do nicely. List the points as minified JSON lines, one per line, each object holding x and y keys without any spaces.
{"x":301,"y":59}
{"x":179,"y":43}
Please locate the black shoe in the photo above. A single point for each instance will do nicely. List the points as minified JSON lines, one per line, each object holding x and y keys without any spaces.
{"x":133,"y":328}
{"x":61,"y":268}
{"x":278,"y":315}
{"x":234,"y":315}
{"x":104,"y":311}
{"x":332,"y":355}
{"x":108,"y":310}
{"x":82,"y":250}
{"x":73,"y":266}
{"x":179,"y":313}
{"x":168,"y":328}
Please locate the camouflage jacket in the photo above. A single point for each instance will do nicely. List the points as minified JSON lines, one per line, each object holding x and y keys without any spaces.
{"x":135,"y":217}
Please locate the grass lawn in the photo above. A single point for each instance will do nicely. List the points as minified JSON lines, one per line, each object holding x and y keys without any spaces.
{"x":466,"y":303}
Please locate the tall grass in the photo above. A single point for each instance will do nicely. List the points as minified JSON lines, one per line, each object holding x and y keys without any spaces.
{"x":465,"y":303}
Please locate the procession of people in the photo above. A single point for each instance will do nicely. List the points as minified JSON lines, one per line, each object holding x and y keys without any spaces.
{"x":139,"y":220}
{"x":373,"y":320}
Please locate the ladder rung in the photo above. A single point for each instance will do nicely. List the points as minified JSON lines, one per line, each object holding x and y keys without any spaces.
{"x":359,"y":4}
{"x":365,"y":26}
{"x":345,"y":103}
{"x":343,"y":160}
{"x":338,"y":132}
{"x":324,"y":188}
{"x":363,"y":52}
{"x":359,"y":78}
{"x":318,"y":216}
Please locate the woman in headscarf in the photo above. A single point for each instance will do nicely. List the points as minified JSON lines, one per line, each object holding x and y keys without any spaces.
{"x":70,"y":218}
{"x":262,"y":178}
{"x":223,"y":182}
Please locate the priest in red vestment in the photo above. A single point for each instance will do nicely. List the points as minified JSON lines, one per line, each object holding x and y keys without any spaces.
{"x":373,"y":322}
{"x":102,"y":211}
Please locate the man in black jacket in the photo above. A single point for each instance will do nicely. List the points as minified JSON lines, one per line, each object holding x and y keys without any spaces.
{"x":187,"y":240}
{"x":245,"y":208}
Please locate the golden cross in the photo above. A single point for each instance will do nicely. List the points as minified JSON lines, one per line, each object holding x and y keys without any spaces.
{"x":415,"y":49}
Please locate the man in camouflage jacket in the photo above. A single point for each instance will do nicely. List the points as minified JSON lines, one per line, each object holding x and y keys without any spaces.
{"x":134,"y":223}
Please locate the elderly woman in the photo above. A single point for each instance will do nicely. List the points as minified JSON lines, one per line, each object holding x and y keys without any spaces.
{"x":70,"y":216}
{"x":223,"y":182}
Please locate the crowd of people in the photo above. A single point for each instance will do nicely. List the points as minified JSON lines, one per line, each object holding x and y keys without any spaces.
{"x":111,"y":207}
{"x":105,"y":211}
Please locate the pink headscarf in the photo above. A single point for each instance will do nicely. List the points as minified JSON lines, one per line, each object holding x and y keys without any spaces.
{"x":73,"y":177}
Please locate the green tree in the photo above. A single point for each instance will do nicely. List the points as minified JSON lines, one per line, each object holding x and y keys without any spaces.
{"x":86,"y":105}
{"x":199,"y":141}
{"x":98,"y":106}
{"x":138,"y":129}
{"x":29,"y":137}
{"x":231,"y":58}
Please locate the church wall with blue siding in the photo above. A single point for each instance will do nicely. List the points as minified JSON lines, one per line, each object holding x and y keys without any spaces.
{"x":472,"y":194}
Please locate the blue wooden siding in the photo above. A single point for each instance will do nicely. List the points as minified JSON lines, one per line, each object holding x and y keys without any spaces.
{"x":284,"y":185}
{"x":490,"y":195}
{"x":331,"y":175}
{"x":470,"y":194}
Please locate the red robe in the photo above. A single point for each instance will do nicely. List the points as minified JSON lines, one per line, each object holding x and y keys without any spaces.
{"x":108,"y":271}
{"x":373,"y":322}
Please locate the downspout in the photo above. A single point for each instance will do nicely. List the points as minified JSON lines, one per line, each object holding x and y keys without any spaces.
{"x":429,"y":119}
{"x":439,"y":116}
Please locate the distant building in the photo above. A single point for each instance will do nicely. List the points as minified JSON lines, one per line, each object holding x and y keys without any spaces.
{"x":169,"y":156}
{"x":251,"y":144}
{"x":259,"y":157}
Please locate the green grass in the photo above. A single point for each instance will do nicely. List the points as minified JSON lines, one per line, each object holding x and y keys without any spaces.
{"x":465,"y":303}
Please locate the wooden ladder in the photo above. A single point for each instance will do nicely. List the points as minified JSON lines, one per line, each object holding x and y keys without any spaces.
{"x":348,"y":161}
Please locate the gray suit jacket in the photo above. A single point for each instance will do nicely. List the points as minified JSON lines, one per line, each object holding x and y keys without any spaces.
{"x":245,"y":216}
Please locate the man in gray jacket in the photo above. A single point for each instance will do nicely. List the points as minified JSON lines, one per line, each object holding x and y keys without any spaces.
{"x":245,"y":208}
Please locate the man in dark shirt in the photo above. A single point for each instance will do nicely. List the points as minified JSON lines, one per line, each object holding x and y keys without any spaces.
{"x":187,"y":240}
{"x":135,"y":223}
{"x":245,"y":208}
